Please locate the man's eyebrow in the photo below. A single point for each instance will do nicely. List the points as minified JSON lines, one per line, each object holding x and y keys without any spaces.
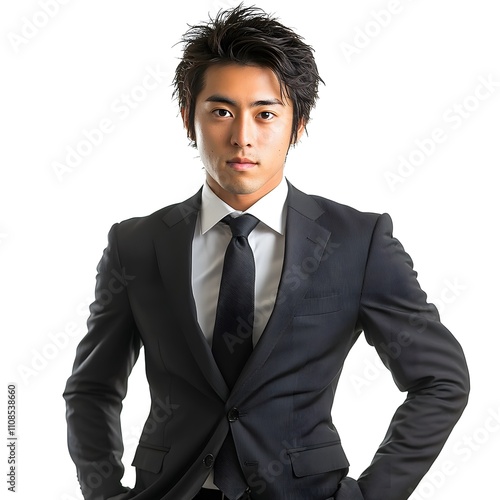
{"x":261,"y":102}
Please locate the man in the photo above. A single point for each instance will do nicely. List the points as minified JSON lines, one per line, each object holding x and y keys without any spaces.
{"x":244,"y":347}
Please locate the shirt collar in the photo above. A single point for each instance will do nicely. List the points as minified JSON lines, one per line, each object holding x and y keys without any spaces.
{"x":270,"y":209}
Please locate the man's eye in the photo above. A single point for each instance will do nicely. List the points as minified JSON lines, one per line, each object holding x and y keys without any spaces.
{"x":223,"y":113}
{"x":266,"y":115}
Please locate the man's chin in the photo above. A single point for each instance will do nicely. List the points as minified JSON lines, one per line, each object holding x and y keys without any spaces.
{"x":240,"y":187}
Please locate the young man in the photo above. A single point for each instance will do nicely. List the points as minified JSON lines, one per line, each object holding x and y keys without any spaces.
{"x":244,"y":347}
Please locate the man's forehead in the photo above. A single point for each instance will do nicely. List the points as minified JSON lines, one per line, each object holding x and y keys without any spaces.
{"x":235,"y":84}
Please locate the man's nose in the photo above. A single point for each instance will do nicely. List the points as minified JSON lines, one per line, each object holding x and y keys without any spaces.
{"x":243,"y":131}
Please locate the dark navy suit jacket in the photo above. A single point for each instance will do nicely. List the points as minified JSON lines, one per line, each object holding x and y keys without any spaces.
{"x":343,"y":274}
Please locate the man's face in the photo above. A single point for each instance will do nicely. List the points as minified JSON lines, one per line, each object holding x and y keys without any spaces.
{"x":243,"y":127}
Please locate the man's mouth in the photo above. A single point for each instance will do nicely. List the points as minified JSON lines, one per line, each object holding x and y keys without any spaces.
{"x":238,"y":163}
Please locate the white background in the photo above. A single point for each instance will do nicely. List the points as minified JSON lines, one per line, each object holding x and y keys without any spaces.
{"x":63,"y":74}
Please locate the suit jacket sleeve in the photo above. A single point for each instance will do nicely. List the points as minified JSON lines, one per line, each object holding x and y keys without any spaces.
{"x":425,"y":360}
{"x":98,"y":384}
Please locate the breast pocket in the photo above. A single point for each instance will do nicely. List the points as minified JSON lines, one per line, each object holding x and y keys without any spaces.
{"x":319,"y":305}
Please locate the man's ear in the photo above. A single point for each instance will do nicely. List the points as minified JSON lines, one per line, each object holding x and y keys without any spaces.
{"x":185,"y":121}
{"x":184,"y":115}
{"x":300,"y":130}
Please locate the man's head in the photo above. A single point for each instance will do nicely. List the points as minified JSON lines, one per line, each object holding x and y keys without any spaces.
{"x":247,"y":36}
{"x":246,"y":85}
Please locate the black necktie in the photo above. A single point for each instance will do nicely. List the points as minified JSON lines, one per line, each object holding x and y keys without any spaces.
{"x":232,"y":337}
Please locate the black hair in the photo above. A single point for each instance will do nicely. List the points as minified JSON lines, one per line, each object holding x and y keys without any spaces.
{"x":247,"y":36}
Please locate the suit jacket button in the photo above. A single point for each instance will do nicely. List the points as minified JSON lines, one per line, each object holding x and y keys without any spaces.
{"x":233,"y":414}
{"x":208,"y":461}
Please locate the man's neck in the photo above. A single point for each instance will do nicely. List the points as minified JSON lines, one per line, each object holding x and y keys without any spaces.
{"x":243,"y":201}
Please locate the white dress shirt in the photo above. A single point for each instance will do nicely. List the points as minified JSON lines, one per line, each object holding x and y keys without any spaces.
{"x":210,"y":241}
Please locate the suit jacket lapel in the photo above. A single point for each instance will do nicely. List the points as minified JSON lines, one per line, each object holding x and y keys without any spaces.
{"x":305,"y":244}
{"x":173,"y":249}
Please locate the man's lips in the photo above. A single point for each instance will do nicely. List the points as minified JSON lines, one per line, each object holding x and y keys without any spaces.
{"x":241,"y":163}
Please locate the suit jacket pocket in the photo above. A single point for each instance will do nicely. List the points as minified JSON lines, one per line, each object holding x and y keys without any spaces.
{"x":149,"y":459}
{"x":318,"y":305}
{"x":319,"y":459}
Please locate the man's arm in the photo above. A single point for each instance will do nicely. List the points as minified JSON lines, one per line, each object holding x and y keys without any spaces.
{"x":425,"y":360}
{"x":98,"y":384}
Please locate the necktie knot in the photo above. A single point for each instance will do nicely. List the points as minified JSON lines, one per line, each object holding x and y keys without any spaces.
{"x":242,"y":225}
